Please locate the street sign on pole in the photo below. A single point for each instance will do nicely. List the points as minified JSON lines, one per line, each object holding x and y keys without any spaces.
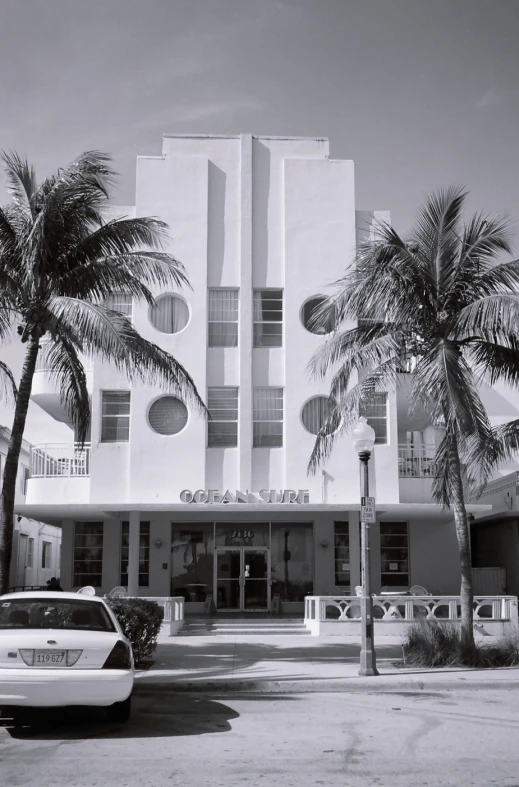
{"x":367,"y":510}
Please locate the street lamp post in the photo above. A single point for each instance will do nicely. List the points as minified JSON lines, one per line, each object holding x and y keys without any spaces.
{"x":364,"y":440}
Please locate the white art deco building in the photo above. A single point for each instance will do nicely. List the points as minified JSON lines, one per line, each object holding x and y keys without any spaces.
{"x":164,"y":503}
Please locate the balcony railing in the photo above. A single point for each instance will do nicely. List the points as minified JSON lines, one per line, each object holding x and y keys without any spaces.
{"x":50,"y":460}
{"x":416,"y":461}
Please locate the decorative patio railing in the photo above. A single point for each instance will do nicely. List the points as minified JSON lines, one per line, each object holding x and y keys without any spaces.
{"x":49,"y":460}
{"x":409,"y":608}
{"x":416,"y":461}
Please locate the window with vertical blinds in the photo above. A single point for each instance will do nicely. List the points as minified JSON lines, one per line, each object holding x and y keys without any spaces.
{"x":168,"y":415}
{"x":268,"y":318}
{"x":375,"y":410}
{"x":267,"y":426}
{"x":223,"y":317}
{"x":115,"y":416}
{"x":144,"y":554}
{"x":315,"y":412}
{"x":170,"y":314}
{"x":342,"y":554}
{"x":222,"y":426}
{"x":88,"y":554}
{"x":120,"y":302}
{"x":394,"y":554}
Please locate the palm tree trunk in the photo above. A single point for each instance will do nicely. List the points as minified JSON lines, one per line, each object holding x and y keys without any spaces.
{"x":12,"y":460}
{"x":463,"y":536}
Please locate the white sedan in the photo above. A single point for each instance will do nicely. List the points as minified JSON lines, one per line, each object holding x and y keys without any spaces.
{"x":63,"y":649}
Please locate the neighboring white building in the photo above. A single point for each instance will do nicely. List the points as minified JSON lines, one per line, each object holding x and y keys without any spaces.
{"x":263,"y":226}
{"x":36,"y":545}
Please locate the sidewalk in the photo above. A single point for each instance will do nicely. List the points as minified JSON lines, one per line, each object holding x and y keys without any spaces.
{"x":297,"y":664}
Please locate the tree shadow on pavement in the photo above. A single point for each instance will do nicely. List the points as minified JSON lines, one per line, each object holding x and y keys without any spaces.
{"x":155,"y":714}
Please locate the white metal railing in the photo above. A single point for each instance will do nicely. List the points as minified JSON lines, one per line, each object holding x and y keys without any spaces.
{"x":49,"y":460}
{"x":416,"y":461}
{"x":408,"y":608}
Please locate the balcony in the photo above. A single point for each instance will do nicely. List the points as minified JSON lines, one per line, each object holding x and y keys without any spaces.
{"x":59,"y":473}
{"x":416,"y":469}
{"x":49,"y":460}
{"x":416,"y":461}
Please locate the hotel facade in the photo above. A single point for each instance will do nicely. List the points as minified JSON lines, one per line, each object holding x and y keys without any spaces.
{"x":223,"y":512}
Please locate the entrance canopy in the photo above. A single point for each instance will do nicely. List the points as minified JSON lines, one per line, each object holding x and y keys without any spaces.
{"x":54,"y":513}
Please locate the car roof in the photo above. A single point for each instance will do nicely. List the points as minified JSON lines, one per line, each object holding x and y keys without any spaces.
{"x":49,"y":594}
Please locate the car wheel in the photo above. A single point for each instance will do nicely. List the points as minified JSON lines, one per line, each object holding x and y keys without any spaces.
{"x":120,"y":711}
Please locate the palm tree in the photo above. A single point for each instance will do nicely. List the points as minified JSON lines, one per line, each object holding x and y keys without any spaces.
{"x":440,"y":299}
{"x":59,"y":262}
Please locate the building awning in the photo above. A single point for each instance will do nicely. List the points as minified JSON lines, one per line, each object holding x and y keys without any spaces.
{"x":54,"y":513}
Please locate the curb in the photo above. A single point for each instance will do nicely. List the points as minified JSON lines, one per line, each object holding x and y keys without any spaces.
{"x":368,"y":685}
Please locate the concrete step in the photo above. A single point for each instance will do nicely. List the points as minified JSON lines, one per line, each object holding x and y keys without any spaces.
{"x":236,"y":627}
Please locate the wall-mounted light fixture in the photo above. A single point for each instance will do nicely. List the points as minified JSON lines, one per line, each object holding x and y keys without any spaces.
{"x":324,"y":544}
{"x":158,"y":543}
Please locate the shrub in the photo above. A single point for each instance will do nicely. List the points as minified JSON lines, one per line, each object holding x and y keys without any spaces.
{"x":431,"y":644}
{"x":140,"y":621}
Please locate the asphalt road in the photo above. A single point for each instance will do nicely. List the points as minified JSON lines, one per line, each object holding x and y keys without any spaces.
{"x":351,"y":740}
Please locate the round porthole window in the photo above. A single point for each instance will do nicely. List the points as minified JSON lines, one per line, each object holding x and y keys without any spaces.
{"x":170,"y":314}
{"x":309,"y":312}
{"x":315,"y":412}
{"x":168,"y":415}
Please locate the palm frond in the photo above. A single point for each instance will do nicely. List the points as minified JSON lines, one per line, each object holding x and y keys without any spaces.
{"x":486,"y":455}
{"x":343,"y":417}
{"x":444,"y":386}
{"x":111,"y":336}
{"x":68,"y":375}
{"x":496,"y":315}
{"x":8,"y":389}
{"x":495,"y":362}
{"x":21,"y":179}
{"x":366,"y":345}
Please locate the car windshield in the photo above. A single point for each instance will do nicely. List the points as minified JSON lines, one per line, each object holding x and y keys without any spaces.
{"x":50,"y":613}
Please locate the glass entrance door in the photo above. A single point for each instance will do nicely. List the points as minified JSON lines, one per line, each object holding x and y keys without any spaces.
{"x":242,"y":579}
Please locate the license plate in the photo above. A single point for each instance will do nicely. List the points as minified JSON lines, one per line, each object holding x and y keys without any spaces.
{"x":49,"y":657}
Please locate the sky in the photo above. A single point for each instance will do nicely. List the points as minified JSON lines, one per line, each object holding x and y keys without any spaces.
{"x":419,"y":93}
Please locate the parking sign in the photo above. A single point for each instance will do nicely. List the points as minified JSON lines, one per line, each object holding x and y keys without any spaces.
{"x":367,"y":510}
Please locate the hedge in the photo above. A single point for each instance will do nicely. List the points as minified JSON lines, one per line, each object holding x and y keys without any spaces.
{"x":140,"y":621}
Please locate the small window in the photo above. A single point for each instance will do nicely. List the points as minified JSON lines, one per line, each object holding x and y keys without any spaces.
{"x":168,"y":415}
{"x":115,"y":417}
{"x":121,"y":302}
{"x":170,"y":314}
{"x":267,"y":418}
{"x":144,"y":554}
{"x":342,"y":554}
{"x":222,"y":426}
{"x":308,"y":313}
{"x":394,"y":554}
{"x":268,"y":318}
{"x":375,"y":410}
{"x":223,"y":318}
{"x":88,"y":554}
{"x":315,"y":412}
{"x":46,"y":551}
{"x":30,"y":553}
{"x":24,"y":477}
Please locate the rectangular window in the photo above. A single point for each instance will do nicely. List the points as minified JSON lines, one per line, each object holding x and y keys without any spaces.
{"x":223,"y":318}
{"x":375,"y":410}
{"x":267,"y":418}
{"x":268,"y":318}
{"x":88,"y":554}
{"x":342,"y":554}
{"x":394,"y":554}
{"x":24,"y":477}
{"x":144,"y":554}
{"x":120,"y":302}
{"x":115,"y":417}
{"x":222,"y":426}
{"x":30,"y":553}
{"x":46,"y":548}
